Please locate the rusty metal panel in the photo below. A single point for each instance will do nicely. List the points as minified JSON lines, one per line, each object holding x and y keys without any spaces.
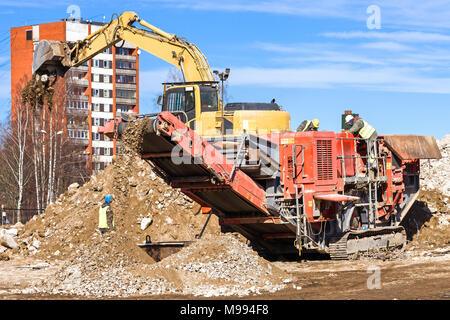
{"x":413,"y":147}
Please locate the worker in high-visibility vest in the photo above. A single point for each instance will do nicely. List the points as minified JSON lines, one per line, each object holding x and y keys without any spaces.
{"x":105,"y":216}
{"x":366,"y":132}
{"x":309,"y":125}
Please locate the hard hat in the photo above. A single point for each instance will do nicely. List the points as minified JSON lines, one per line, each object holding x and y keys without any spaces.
{"x":348,"y":118}
{"x":315,"y":123}
{"x":108,"y":198}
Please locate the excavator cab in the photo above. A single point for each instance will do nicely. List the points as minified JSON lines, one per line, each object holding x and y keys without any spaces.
{"x":193,"y":100}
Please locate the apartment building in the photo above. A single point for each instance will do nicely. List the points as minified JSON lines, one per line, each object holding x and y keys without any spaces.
{"x":96,"y":92}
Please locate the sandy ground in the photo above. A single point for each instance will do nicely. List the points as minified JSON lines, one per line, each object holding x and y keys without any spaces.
{"x":411,"y":278}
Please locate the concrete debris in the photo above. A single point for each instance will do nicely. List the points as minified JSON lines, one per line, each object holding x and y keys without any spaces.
{"x":12,"y":232}
{"x":435,"y":174}
{"x":73,"y":186}
{"x":7,"y":240}
{"x":145,"y":223}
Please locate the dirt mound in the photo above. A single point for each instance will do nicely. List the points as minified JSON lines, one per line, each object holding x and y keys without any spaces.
{"x":70,"y":225}
{"x":213,"y":266}
{"x":112,"y":264}
{"x":427,"y":224}
{"x":221,"y":266}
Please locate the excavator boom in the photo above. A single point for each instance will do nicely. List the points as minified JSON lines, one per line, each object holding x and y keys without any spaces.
{"x":54,"y":57}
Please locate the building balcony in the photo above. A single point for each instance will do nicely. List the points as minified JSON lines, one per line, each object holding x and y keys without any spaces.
{"x":126,"y":101}
{"x":81,"y":68}
{"x":77,"y":112}
{"x":78,"y":97}
{"x":125,"y":57}
{"x":79,"y":141}
{"x":81,"y":126}
{"x":126,"y":86}
{"x":78,"y":82}
{"x":128,"y":72}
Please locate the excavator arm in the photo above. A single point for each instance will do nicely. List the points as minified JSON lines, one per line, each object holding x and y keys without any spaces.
{"x":53,"y":57}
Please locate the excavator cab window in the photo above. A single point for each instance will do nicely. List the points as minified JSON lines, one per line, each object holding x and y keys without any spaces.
{"x":209,"y":99}
{"x":180,"y":99}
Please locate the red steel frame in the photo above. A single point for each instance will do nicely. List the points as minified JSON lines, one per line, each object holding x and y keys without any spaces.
{"x":299,"y":166}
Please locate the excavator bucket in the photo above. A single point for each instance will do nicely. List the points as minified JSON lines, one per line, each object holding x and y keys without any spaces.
{"x":413,"y":147}
{"x":51,"y":57}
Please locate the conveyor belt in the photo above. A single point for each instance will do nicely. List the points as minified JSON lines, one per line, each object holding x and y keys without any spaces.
{"x":204,"y":172}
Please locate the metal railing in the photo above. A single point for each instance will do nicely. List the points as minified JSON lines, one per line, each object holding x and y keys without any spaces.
{"x":372,"y":182}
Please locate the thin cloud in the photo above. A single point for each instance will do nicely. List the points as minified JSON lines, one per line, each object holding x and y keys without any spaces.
{"x":26,"y":4}
{"x":288,"y":7}
{"x":332,"y":76}
{"x":424,"y":14}
{"x":400,"y":36}
{"x":388,"y":46}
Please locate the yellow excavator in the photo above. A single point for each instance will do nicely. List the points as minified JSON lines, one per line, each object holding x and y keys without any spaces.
{"x":197,"y":98}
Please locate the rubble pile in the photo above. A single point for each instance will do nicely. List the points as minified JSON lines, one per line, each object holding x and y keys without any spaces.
{"x":214,"y":266}
{"x":435,"y":174}
{"x":430,"y":218}
{"x":70,"y":224}
{"x":222,"y":266}
{"x":112,"y":265}
{"x":429,"y":221}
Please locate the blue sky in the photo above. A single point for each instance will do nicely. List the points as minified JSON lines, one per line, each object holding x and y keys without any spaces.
{"x":316,"y":58}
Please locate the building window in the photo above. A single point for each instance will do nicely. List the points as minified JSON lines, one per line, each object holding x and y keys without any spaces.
{"x":125,"y":51}
{"x":106,"y":93}
{"x":125,"y":79}
{"x":95,"y":92}
{"x":125,"y":65}
{"x":29,"y":34}
{"x":123,"y":108}
{"x":95,"y":63}
{"x":126,"y":94}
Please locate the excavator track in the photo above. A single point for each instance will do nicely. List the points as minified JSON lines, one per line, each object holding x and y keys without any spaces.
{"x":356,"y":242}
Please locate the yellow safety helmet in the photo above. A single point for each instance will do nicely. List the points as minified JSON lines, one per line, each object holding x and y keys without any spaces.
{"x":315,"y":123}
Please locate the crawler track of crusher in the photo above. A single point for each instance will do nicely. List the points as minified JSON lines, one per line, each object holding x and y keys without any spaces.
{"x":355,"y":242}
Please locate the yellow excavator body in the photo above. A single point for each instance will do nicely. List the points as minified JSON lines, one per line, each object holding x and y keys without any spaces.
{"x":197,"y":97}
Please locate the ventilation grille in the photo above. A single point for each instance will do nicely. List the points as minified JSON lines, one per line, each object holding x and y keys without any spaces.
{"x":324,"y":160}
